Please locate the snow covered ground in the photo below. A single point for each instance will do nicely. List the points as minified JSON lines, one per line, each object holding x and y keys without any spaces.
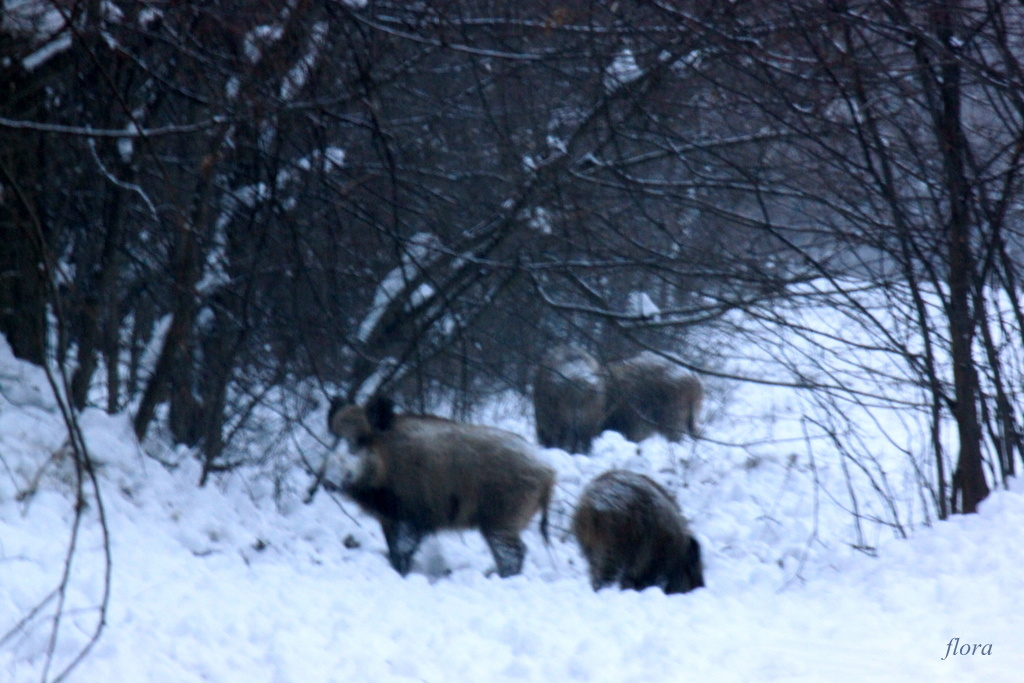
{"x":223,"y":584}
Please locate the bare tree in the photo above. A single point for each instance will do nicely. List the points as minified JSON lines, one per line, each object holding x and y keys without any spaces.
{"x":421,"y":198}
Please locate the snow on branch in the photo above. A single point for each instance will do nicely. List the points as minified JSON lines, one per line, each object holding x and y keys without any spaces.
{"x":127,"y":132}
{"x":404,"y":283}
{"x":643,"y":307}
{"x":622,"y":70}
{"x":46,"y":52}
{"x":299,"y":74}
{"x":34,"y":18}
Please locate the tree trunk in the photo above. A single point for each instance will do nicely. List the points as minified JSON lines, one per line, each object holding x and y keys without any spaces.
{"x":969,"y":485}
{"x":23,"y":287}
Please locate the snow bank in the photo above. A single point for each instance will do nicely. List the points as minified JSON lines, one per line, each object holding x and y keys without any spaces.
{"x":217,"y":584}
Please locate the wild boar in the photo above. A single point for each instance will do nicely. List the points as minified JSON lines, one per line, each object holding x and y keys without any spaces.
{"x":568,"y":399}
{"x":632,"y":533}
{"x":648,"y":394}
{"x":418,"y":474}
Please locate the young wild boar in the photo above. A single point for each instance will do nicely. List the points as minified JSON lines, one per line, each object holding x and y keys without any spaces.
{"x":648,"y":394}
{"x":632,"y":533}
{"x":568,"y":399}
{"x":419,"y":474}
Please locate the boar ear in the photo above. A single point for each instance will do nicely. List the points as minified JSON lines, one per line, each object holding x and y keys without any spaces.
{"x":337,"y":403}
{"x":380,"y":413}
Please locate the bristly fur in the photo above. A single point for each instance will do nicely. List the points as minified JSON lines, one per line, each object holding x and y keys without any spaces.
{"x":420,"y":474}
{"x":568,"y":399}
{"x":632,"y":533}
{"x":648,"y":395}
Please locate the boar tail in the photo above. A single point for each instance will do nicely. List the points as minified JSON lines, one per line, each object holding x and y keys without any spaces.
{"x":545,"y":500}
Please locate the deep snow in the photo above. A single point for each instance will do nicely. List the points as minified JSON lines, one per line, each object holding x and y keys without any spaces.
{"x":223,"y":584}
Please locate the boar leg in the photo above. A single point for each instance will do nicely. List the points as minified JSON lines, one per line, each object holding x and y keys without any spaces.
{"x":508,"y":550}
{"x":403,"y":540}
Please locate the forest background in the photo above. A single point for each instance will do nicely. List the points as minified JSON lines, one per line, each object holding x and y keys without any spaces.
{"x":209,"y":211}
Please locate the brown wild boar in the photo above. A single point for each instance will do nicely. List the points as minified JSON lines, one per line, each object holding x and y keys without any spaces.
{"x":632,"y":533}
{"x":418,"y":474}
{"x":648,"y":394}
{"x":568,"y":399}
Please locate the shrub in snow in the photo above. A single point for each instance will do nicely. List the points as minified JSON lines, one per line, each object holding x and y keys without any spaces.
{"x":632,"y":533}
{"x":568,"y":399}
{"x":418,"y":474}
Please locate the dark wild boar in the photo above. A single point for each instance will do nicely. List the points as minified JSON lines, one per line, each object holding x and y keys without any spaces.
{"x":648,"y":394}
{"x":568,"y":399}
{"x":419,"y":474}
{"x":632,"y":533}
